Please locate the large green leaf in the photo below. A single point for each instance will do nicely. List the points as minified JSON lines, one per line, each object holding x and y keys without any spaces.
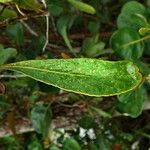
{"x":133,"y":14}
{"x":82,"y":75}
{"x":123,"y":43}
{"x":132,"y":102}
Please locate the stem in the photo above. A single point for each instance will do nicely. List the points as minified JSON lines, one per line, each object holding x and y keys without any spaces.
{"x":136,"y":41}
{"x":143,"y":134}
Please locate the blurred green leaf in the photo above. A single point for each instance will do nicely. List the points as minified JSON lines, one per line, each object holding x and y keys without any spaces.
{"x":6,"y":53}
{"x":82,"y":6}
{"x":7,"y":14}
{"x":94,"y":26}
{"x":144,"y":31}
{"x":144,"y":68}
{"x":102,"y":143}
{"x":133,"y":14}
{"x":5,"y":1}
{"x":87,"y":122}
{"x":92,"y":146}
{"x":29,"y":4}
{"x":54,"y":148}
{"x":122,"y":42}
{"x":92,"y":47}
{"x":132,"y":103}
{"x":71,"y":144}
{"x":55,"y":7}
{"x":16,"y":33}
{"x":91,"y":77}
{"x":41,"y":117}
{"x":9,"y":143}
{"x":35,"y":48}
{"x":63,"y":24}
{"x":34,"y":144}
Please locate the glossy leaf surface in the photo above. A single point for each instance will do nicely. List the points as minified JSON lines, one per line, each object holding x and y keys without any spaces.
{"x":86,"y":76}
{"x":122,"y":42}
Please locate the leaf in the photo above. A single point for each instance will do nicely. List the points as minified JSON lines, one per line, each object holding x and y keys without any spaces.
{"x":71,"y":144}
{"x":7,"y":14}
{"x":29,"y":5}
{"x":16,"y":33}
{"x":7,"y":53}
{"x":5,"y":1}
{"x":55,"y":7}
{"x":63,"y":24}
{"x":92,"y":146}
{"x":143,"y":31}
{"x":133,"y":14}
{"x":94,"y":26}
{"x":34,"y":144}
{"x":92,"y":47}
{"x":91,"y":77}
{"x":87,"y":122}
{"x":102,"y":143}
{"x":123,"y":43}
{"x":144,"y":68}
{"x":132,"y":103}
{"x":82,"y":6}
{"x":35,"y":48}
{"x":54,"y":148}
{"x":41,"y":117}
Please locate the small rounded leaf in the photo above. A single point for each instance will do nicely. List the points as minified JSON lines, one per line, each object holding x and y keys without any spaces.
{"x":71,"y":144}
{"x":122,"y":42}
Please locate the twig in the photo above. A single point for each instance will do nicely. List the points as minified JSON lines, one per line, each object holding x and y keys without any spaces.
{"x":54,"y":26}
{"x":47,"y":32}
{"x":28,"y":16}
{"x":44,"y":3}
{"x":47,"y":26}
{"x":29,"y":28}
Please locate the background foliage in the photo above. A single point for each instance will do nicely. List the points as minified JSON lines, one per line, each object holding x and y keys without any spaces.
{"x":37,"y":116}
